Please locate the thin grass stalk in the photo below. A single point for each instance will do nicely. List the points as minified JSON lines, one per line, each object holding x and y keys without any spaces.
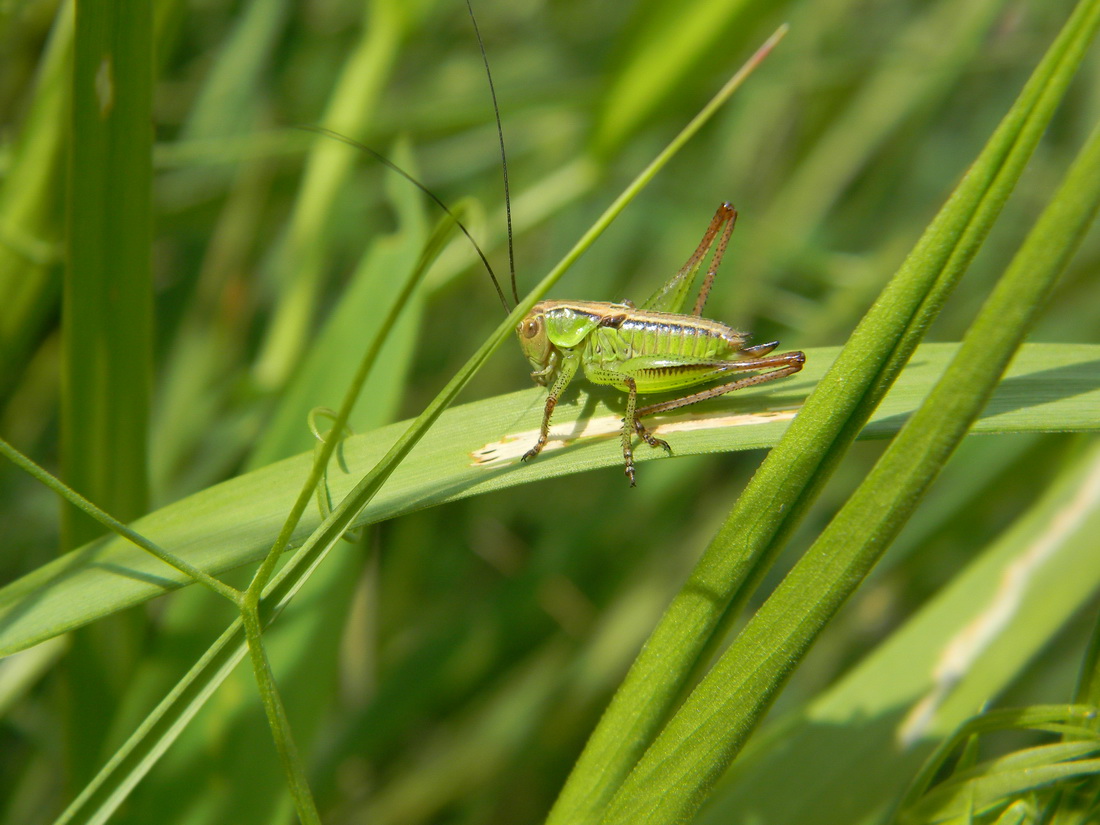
{"x":275,"y":711}
{"x":111,"y":523}
{"x":31,"y":193}
{"x":340,"y":420}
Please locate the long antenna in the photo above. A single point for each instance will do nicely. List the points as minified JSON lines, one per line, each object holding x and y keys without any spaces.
{"x":321,"y":130}
{"x":503,"y":155}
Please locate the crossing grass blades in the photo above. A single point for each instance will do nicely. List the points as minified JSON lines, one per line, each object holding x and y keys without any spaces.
{"x":639,"y":350}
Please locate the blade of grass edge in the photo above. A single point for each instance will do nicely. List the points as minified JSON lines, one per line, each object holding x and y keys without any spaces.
{"x":111,"y":523}
{"x":772,"y":504}
{"x":107,"y":312}
{"x":1033,"y":122}
{"x":290,"y":756}
{"x":101,"y":797}
{"x":699,"y":742}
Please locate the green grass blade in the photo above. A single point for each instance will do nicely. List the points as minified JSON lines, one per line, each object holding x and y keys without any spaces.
{"x":378,"y":284}
{"x":107,"y":327}
{"x":129,"y":763}
{"x":831,"y":418}
{"x":73,"y":498}
{"x":227,"y":104}
{"x":942,"y":41}
{"x":1055,"y":718}
{"x":300,"y":264}
{"x":1048,"y":387}
{"x":1088,"y":686}
{"x":707,"y":732}
{"x":30,"y":197}
{"x":675,"y":38}
{"x":293,"y":766}
{"x":996,"y":784}
{"x":973,"y":640}
{"x":108,"y":288}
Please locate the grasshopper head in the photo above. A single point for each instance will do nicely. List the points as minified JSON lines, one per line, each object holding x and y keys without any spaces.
{"x":536,"y":345}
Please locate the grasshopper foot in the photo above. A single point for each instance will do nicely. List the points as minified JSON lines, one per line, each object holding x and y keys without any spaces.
{"x":651,"y":439}
{"x":628,"y":462}
{"x":534,"y":451}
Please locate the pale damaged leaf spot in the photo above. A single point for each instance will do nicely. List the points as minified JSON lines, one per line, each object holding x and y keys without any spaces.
{"x":512,"y":446}
{"x":963,"y":649}
{"x":105,"y":86}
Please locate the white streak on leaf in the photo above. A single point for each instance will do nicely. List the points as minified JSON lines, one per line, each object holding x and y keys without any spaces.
{"x":512,"y":446}
{"x":105,"y":86}
{"x":962,"y":650}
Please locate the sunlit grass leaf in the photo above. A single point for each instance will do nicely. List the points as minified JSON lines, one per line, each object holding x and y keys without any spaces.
{"x":1050,"y":387}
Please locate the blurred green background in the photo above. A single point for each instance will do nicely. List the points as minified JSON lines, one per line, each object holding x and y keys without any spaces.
{"x":448,"y":666}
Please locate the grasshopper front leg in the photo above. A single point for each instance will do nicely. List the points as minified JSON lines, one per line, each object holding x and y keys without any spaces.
{"x":570,"y":360}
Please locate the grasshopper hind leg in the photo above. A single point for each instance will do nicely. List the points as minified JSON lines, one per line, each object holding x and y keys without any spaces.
{"x":780,"y":366}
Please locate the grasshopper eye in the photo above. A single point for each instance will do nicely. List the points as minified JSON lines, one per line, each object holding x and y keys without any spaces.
{"x":529,"y":328}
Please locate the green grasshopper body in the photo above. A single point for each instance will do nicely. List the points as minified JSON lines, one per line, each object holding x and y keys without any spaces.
{"x":651,"y":349}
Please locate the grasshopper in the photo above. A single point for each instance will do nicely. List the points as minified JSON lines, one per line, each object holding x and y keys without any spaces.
{"x":648,"y":349}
